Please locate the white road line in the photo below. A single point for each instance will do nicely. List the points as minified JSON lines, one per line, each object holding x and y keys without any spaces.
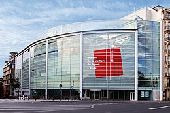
{"x":152,"y":108}
{"x":164,"y":107}
{"x":16,"y":112}
{"x":92,"y":106}
{"x":103,"y":104}
{"x":11,"y":109}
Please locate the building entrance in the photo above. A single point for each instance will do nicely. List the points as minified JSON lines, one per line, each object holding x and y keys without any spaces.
{"x":109,"y":94}
{"x":132,"y":96}
{"x":95,"y":94}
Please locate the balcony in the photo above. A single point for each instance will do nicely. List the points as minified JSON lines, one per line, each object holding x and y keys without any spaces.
{"x":167,"y":28}
{"x":4,"y":79}
{"x":168,"y":52}
{"x":167,"y":84}
{"x":166,"y":42}
{"x":4,"y":70}
{"x":165,"y":65}
{"x":167,"y":38}
{"x":167,"y":75}
{"x":7,"y":84}
{"x":167,"y":15}
{"x":168,"y":64}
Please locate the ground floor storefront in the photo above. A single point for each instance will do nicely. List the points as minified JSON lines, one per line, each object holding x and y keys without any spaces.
{"x":92,"y":94}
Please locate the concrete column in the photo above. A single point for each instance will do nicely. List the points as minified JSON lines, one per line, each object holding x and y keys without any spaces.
{"x":136,"y":64}
{"x":161,"y":60}
{"x":29,"y":71}
{"x":81,"y":65}
{"x":46,"y":91}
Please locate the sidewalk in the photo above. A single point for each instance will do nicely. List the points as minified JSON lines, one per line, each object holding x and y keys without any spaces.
{"x":84,"y":101}
{"x":16,"y":100}
{"x":33,"y":100}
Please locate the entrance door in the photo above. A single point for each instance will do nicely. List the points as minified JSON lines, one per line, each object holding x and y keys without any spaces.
{"x":95,"y":94}
{"x":132,"y":96}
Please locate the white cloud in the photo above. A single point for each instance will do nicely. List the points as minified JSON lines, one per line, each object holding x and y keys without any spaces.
{"x":22,"y":22}
{"x":102,"y":10}
{"x":121,"y":5}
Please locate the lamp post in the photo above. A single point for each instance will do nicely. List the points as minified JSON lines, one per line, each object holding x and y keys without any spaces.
{"x":35,"y":94}
{"x":71,"y":90}
{"x":60,"y":91}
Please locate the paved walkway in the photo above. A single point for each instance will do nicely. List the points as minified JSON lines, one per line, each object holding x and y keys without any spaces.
{"x":32,"y":100}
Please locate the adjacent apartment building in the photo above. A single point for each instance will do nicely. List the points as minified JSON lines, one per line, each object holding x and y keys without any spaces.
{"x":9,"y":76}
{"x":1,"y":87}
{"x":125,"y":59}
{"x":161,"y":15}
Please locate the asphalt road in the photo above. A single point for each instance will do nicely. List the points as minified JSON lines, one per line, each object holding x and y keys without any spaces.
{"x":85,"y":107}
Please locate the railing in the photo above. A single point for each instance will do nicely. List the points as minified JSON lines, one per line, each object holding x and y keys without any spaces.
{"x":167,"y":38}
{"x":167,"y":27}
{"x":167,"y":15}
{"x":7,"y":84}
{"x":169,"y":52}
{"x":168,"y":84}
{"x":167,"y":74}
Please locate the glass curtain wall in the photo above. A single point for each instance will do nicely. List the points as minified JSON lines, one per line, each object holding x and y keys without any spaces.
{"x":18,"y":71}
{"x":108,"y":63}
{"x":38,"y":70}
{"x":63,"y":67}
{"x":53,"y":71}
{"x":25,"y":73}
{"x":18,"y":67}
{"x":148,"y":59}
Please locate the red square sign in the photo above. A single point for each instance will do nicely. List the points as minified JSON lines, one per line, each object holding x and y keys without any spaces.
{"x":108,"y":62}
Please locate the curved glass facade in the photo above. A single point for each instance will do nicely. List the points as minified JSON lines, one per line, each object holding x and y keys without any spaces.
{"x":97,"y":61}
{"x":105,"y":41}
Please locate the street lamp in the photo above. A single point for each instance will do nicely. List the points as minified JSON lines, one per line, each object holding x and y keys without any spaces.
{"x":71,"y":88}
{"x":60,"y":91}
{"x":35,"y":94}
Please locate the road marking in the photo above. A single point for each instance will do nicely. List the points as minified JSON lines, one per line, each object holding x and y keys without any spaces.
{"x":152,"y":108}
{"x":103,"y":104}
{"x":92,"y":106}
{"x":164,"y":107}
{"x":16,"y":109}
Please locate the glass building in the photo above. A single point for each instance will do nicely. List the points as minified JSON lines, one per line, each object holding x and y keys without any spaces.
{"x":116,"y":60}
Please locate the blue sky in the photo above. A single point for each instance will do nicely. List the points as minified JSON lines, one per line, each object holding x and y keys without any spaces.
{"x":24,"y":21}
